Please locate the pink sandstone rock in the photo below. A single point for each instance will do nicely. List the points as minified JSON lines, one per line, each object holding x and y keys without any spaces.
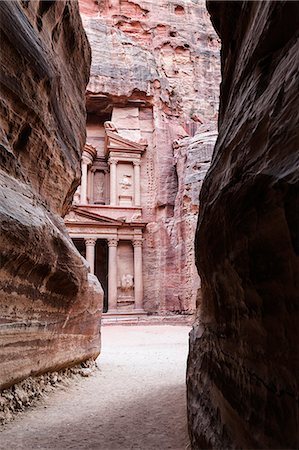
{"x":49,"y":305}
{"x":243,"y":361}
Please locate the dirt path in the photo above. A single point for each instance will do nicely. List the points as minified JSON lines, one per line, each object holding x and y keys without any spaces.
{"x":135,"y":401}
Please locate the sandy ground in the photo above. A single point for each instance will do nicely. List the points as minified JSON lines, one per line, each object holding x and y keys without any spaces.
{"x":136,"y":400}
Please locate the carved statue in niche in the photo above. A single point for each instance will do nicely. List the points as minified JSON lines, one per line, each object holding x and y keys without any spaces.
{"x":126,"y":182}
{"x":99,"y":187}
{"x":127,"y":282}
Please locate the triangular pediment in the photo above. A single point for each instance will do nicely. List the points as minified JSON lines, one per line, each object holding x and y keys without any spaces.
{"x":79,"y":215}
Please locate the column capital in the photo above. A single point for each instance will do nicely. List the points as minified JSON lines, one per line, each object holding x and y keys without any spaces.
{"x":112,"y":160}
{"x":136,"y":163}
{"x":137,"y":242}
{"x":86,"y":160}
{"x":90,"y":241}
{"x":112,"y":242}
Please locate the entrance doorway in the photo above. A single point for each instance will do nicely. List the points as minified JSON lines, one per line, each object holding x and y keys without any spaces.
{"x":101,"y":263}
{"x":80,"y":246}
{"x":101,"y":268}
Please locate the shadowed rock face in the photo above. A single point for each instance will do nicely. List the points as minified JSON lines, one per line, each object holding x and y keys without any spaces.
{"x":49,"y":305}
{"x":241,"y":379}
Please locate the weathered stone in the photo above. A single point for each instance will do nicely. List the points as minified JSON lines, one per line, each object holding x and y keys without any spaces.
{"x":242,"y":385}
{"x":192,"y":158}
{"x":49,"y":306}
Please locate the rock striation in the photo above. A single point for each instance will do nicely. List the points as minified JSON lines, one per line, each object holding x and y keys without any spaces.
{"x":161,"y":58}
{"x":192,"y":157}
{"x":50,"y":306}
{"x":243,"y":360}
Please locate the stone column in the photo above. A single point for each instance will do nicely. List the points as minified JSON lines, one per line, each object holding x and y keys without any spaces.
{"x":113,"y":181}
{"x":137,"y":183}
{"x":112,"y":275}
{"x":90,"y":186}
{"x":90,"y":244}
{"x":138,"y":281}
{"x":83,"y":192}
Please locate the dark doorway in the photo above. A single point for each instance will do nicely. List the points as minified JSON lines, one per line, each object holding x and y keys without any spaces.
{"x":101,"y":264}
{"x":80,"y":246}
{"x":101,"y":268}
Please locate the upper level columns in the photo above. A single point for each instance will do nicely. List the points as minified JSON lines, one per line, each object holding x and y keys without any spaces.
{"x":89,"y":153}
{"x":90,"y":252}
{"x":83,"y":194}
{"x":113,"y":181}
{"x":137,"y":182}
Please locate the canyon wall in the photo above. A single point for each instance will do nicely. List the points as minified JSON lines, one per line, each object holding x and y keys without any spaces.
{"x":161,"y":58}
{"x":243,"y":360}
{"x":50,"y":306}
{"x":192,"y":157}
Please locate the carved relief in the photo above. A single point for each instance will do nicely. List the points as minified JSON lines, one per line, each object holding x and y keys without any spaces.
{"x":99,"y":187}
{"x":125,"y":269}
{"x":127,"y":282}
{"x":126,"y":182}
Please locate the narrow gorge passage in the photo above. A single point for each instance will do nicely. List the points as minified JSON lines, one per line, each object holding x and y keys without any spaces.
{"x":136,"y":400}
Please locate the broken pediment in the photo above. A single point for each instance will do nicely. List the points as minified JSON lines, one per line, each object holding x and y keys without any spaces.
{"x":115,"y":142}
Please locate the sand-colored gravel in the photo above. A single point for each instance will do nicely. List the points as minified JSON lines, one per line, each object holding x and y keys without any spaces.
{"x":136,"y":400}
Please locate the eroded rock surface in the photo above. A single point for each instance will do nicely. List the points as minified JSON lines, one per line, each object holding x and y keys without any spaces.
{"x":242,"y":386}
{"x":192,"y":156}
{"x":49,"y":305}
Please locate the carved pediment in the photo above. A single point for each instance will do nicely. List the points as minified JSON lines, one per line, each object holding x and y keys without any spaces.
{"x":78,"y":215}
{"x":115,"y":142}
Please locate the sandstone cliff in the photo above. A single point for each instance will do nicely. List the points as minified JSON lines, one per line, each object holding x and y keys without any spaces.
{"x":192,"y":158}
{"x":163,"y":58}
{"x":242,"y":386}
{"x":49,"y":306}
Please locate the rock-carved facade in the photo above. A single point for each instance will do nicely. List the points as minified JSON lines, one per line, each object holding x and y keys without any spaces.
{"x":155,"y":75}
{"x":106,"y":222}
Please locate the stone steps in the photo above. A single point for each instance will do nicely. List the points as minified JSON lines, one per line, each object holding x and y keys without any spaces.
{"x":144,"y":319}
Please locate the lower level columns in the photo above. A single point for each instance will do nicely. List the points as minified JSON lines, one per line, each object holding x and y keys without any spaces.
{"x":112,"y":275}
{"x":90,"y":252}
{"x":138,"y":281}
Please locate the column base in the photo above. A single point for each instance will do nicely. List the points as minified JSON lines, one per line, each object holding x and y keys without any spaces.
{"x":112,"y":311}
